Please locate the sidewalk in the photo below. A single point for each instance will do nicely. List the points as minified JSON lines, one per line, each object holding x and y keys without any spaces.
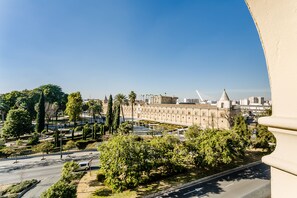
{"x":7,"y":165}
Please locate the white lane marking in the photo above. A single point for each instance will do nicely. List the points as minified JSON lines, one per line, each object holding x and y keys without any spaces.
{"x":229,"y":185}
{"x":196,"y":190}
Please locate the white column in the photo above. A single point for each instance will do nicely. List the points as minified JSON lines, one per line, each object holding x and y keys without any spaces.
{"x":276,"y":21}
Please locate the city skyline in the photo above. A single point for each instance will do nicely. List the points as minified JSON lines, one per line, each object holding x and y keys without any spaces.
{"x":151,"y":47}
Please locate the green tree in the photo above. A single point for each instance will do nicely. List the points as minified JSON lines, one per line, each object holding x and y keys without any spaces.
{"x":74,"y":106}
{"x":109,"y":115}
{"x":214,"y":147}
{"x":40,"y":118}
{"x":116,"y":114}
{"x":122,"y":100}
{"x":4,"y":108}
{"x":86,"y":131}
{"x":122,"y":160}
{"x":53,"y":93}
{"x":95,"y":107}
{"x":18,"y":122}
{"x":132,"y":98}
{"x":240,"y":127}
{"x":68,"y":171}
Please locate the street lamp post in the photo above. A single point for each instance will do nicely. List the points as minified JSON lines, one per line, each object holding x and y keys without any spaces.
{"x":61,"y":142}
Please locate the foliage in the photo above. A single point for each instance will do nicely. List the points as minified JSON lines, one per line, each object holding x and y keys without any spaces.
{"x":116,"y":119}
{"x":215,"y":147}
{"x":74,"y":106}
{"x":109,"y":115}
{"x":86,"y":131}
{"x":60,"y":189}
{"x":8,"y":151}
{"x":54,"y":94}
{"x":121,"y":99}
{"x":264,"y":139}
{"x":34,"y":139}
{"x":68,"y":171}
{"x":19,"y":187}
{"x":122,"y":160}
{"x":40,"y":114}
{"x":128,"y":161}
{"x":103,"y":192}
{"x":95,"y":106}
{"x":165,"y":152}
{"x":100,"y":176}
{"x":125,"y":128}
{"x":240,"y":127}
{"x":193,"y":132}
{"x":82,"y":144}
{"x":44,"y":147}
{"x":18,"y":122}
{"x":132,"y":98}
{"x":70,"y":144}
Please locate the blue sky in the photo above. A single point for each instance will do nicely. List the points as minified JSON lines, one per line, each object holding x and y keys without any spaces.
{"x":102,"y":47}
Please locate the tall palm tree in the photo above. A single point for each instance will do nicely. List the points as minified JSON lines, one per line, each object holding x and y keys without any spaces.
{"x":132,"y":98}
{"x":95,"y":106}
{"x":121,"y":99}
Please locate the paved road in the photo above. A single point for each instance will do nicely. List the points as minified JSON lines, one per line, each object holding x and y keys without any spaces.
{"x":234,"y":185}
{"x":47,"y":171}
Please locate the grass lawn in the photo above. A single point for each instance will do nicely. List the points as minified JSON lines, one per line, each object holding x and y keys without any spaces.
{"x":89,"y":187}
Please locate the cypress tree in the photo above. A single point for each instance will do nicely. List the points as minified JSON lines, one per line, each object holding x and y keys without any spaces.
{"x":116,"y":120}
{"x":109,"y":116}
{"x":40,"y":118}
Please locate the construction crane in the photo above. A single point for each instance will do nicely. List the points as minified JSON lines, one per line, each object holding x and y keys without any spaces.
{"x":201,"y":99}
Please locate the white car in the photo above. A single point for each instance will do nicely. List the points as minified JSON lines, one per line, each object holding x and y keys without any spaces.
{"x":83,"y":166}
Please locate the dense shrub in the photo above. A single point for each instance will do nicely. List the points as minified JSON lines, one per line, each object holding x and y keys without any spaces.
{"x":100,"y":176}
{"x":34,"y":139}
{"x":68,"y":171}
{"x":69,"y":145}
{"x":19,"y":187}
{"x":82,"y":144}
{"x":103,"y":192}
{"x":60,"y":189}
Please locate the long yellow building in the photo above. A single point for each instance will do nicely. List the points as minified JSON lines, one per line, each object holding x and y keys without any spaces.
{"x":204,"y":115}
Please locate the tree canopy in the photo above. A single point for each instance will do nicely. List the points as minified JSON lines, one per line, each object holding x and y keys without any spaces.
{"x":121,"y":99}
{"x":109,"y":114}
{"x":74,"y":106}
{"x":18,"y":122}
{"x":40,"y":118}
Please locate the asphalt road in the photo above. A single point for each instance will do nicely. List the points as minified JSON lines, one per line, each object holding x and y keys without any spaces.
{"x":234,"y":185}
{"x":48,"y":175}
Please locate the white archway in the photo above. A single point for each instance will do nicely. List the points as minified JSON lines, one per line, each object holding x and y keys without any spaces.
{"x":276,"y":21}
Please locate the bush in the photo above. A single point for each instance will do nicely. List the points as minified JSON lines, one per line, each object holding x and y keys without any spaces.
{"x":78,"y":128}
{"x":100,"y":176}
{"x":103,"y":192}
{"x":19,"y":187}
{"x":68,"y":171}
{"x":70,"y":144}
{"x":60,"y":189}
{"x":81,"y":144}
{"x":34,"y":139}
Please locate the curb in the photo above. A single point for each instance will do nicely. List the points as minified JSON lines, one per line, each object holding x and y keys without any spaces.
{"x":204,"y":179}
{"x":40,"y":155}
{"x":27,"y":189}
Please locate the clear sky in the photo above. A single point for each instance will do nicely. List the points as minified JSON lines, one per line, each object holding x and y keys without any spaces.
{"x":102,"y":47}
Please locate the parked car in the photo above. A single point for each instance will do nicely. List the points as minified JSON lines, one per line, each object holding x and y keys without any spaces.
{"x":83,"y":166}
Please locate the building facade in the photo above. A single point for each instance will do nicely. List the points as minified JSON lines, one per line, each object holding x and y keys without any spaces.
{"x":203,"y":115}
